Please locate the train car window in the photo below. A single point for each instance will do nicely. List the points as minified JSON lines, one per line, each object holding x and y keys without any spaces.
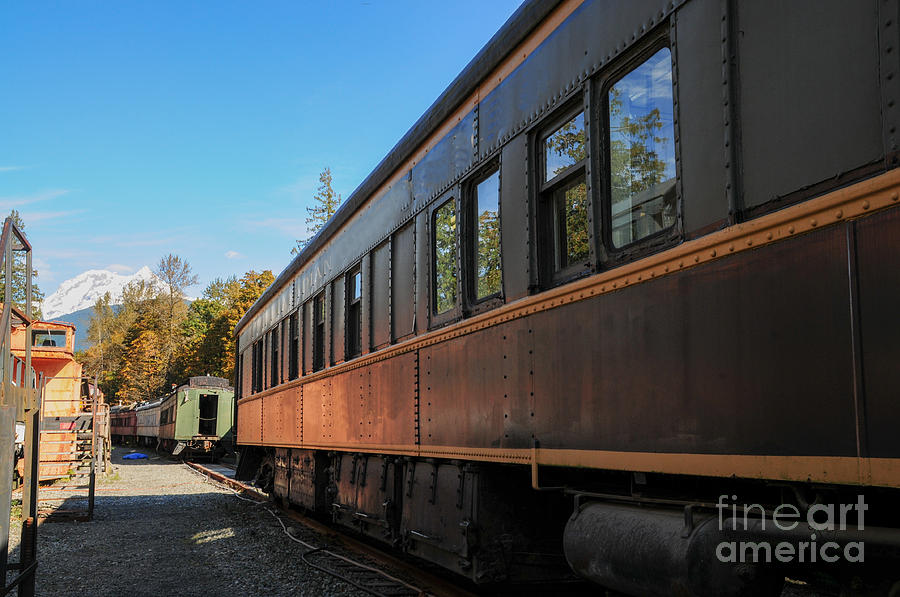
{"x":487,"y":268}
{"x":444,"y":250}
{"x":259,"y":365}
{"x":319,"y":332}
{"x":641,"y":146}
{"x":294,"y":353}
{"x":275,"y":342}
{"x":354,"y":312}
{"x":564,"y":205}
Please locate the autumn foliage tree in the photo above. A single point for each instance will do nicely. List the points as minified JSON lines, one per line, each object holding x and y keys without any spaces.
{"x":153,"y":338}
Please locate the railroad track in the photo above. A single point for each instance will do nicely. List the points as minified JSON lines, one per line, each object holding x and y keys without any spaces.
{"x":372,"y":579}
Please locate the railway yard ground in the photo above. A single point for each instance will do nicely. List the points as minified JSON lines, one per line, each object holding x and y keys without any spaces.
{"x":161,"y":528}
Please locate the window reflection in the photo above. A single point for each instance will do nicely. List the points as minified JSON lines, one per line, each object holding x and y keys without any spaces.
{"x":487,"y":237}
{"x":445,"y":257}
{"x":571,"y":232}
{"x":642,"y":151}
{"x":564,"y":147}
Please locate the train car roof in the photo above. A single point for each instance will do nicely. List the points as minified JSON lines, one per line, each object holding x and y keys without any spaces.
{"x":148,"y":405}
{"x":522,"y":22}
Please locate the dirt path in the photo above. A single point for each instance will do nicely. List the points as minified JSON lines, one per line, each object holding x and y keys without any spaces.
{"x":160,"y":529}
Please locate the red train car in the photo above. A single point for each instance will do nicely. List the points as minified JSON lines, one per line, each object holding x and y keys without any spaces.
{"x":123,"y":424}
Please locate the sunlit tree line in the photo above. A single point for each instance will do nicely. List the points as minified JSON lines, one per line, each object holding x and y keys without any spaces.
{"x":154,"y":338}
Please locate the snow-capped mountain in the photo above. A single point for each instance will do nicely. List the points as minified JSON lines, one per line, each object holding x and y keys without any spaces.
{"x":82,"y":291}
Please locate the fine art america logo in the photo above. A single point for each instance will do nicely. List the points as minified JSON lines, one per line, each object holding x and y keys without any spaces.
{"x":792,"y":544}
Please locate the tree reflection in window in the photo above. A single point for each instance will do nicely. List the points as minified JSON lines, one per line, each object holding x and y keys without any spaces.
{"x":564,"y":148}
{"x":488,"y":270}
{"x":444,"y":241}
{"x":642,"y":151}
{"x":565,"y":152}
{"x":571,"y":224}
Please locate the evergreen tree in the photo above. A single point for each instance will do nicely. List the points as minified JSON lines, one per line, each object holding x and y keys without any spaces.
{"x":325,"y":204}
{"x":18,"y":277}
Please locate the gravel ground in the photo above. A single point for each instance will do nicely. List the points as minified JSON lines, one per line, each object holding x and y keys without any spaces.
{"x":160,"y":529}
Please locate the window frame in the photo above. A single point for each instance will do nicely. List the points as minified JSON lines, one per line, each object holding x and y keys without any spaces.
{"x":349,"y":303}
{"x":549,"y":275}
{"x":666,"y":237}
{"x":274,"y":355}
{"x":319,"y":331}
{"x":467,"y":235}
{"x":450,"y":315}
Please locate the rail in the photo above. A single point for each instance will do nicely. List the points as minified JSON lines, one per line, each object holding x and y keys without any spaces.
{"x":20,"y":400}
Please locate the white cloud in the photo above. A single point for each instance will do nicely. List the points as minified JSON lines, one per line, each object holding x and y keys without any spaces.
{"x":11,"y":168}
{"x":232,"y":255}
{"x":39,"y":216}
{"x":10,"y":202}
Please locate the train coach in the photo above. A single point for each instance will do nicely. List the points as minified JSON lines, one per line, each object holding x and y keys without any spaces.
{"x":123,"y":424}
{"x":147,"y":423}
{"x":195,"y":419}
{"x":624,"y":295}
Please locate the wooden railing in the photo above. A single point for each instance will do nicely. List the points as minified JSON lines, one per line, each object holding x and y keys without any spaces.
{"x":20,"y":400}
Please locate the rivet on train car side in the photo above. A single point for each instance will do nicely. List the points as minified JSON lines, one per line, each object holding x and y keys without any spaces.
{"x":813,"y":222}
{"x":696,"y":260}
{"x":894,"y":196}
{"x":865,"y":205}
{"x":839,"y":214}
{"x":712,"y":253}
{"x":791,"y":230}
{"x":749,"y":242}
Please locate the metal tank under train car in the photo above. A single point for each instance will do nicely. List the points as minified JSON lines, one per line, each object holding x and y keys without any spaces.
{"x":633,"y":275}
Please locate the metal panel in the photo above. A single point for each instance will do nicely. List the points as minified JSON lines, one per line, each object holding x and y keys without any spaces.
{"x":878,"y":246}
{"x":422,"y":271}
{"x":592,"y":36}
{"x":326,"y":344}
{"x":817,"y":113}
{"x":700,"y":114}
{"x":403,"y":281}
{"x":745,"y":355}
{"x":462,"y":389}
{"x":366,"y":306}
{"x":448,"y":160}
{"x":388,"y":415}
{"x":318,"y":412}
{"x":515,"y":221}
{"x":380,"y":285}
{"x":281,"y":424}
{"x":351,"y":391}
{"x":338,"y":305}
{"x":249,"y":427}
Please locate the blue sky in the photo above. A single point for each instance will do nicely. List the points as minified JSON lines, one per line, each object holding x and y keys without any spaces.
{"x":129,"y":130}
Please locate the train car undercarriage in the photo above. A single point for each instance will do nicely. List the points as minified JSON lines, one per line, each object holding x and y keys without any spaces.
{"x":637,"y":533}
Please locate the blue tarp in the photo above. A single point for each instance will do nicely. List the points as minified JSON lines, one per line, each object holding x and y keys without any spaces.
{"x":134,"y":456}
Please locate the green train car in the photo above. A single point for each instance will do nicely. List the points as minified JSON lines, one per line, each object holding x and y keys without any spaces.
{"x":197,"y":418}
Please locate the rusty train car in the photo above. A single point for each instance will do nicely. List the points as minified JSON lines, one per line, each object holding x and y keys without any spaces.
{"x":636,"y":265}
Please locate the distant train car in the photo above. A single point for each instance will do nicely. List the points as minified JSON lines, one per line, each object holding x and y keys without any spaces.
{"x":123,"y":424}
{"x":198,"y":417}
{"x":147,"y":423}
